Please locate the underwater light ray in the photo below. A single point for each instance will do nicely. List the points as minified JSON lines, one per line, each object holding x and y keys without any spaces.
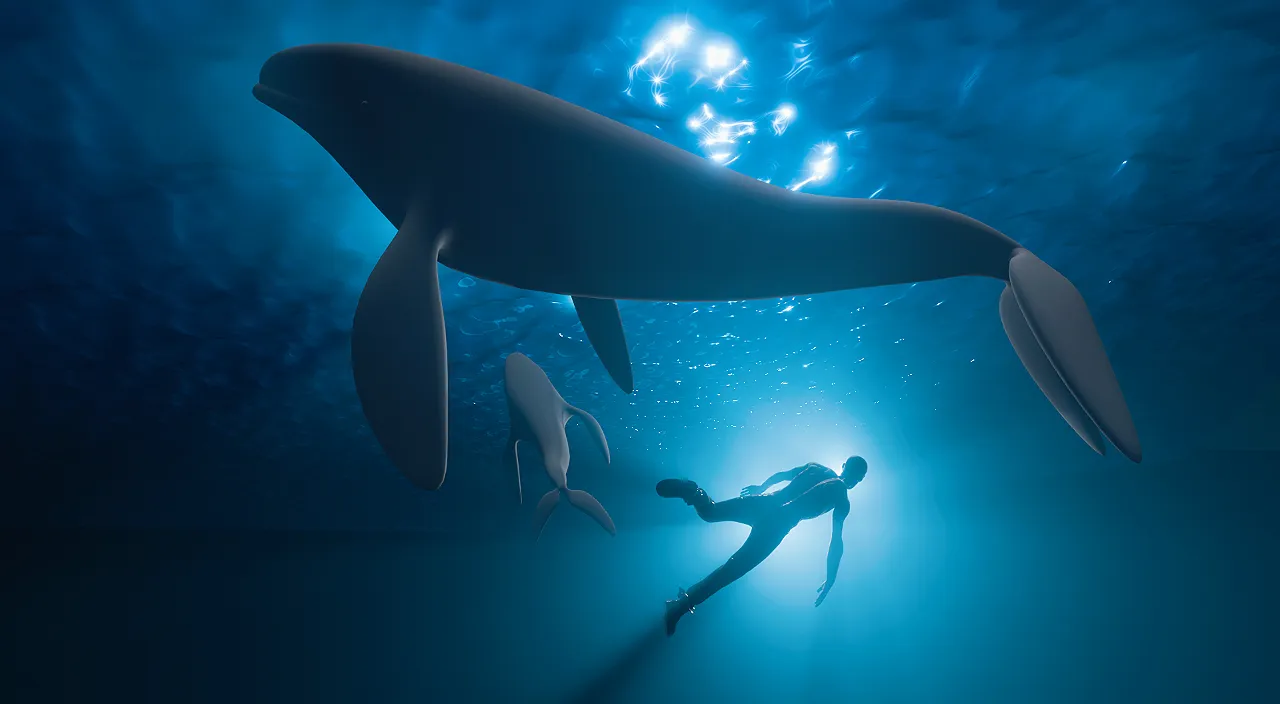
{"x":624,"y":667}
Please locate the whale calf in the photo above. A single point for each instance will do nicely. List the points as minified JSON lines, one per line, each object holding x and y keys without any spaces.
{"x":538,"y":415}
{"x":508,"y":184}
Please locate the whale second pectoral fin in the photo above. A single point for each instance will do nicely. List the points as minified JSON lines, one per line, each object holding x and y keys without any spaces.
{"x":399,"y":356}
{"x":1042,"y":372}
{"x":603,"y":325}
{"x":1059,"y":319}
{"x":593,"y":426}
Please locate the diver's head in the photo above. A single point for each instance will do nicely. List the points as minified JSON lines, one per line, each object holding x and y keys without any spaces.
{"x":853,"y":471}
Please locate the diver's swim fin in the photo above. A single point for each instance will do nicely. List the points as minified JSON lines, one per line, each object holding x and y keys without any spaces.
{"x":1042,"y":372}
{"x":603,"y":325}
{"x":1059,"y":319}
{"x":398,"y":353}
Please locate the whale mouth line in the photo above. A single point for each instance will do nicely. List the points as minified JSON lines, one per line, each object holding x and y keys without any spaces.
{"x":280,"y":101}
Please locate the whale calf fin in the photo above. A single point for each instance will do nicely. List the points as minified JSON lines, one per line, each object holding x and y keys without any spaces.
{"x":603,"y":325}
{"x":511,"y":457}
{"x":593,"y":425}
{"x":398,"y":353}
{"x":1059,"y":319}
{"x":1042,"y":372}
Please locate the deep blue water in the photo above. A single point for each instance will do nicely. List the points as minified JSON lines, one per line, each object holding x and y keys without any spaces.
{"x":197,"y":510}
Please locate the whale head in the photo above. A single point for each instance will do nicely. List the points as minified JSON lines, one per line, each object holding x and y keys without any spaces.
{"x":377,"y":111}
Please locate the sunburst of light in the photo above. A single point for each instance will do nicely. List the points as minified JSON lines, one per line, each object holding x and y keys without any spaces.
{"x":819,"y":166}
{"x":659,"y":62}
{"x":716,"y":62}
{"x":717,"y":134}
{"x":781,"y":118}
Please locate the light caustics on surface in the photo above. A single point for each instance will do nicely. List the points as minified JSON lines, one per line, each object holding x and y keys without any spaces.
{"x":716,"y":65}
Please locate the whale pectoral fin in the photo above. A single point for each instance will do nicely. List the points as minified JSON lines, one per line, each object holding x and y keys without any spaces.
{"x":399,"y":356}
{"x":1042,"y":372}
{"x":593,"y":425}
{"x":1060,"y":321}
{"x":603,"y":325}
{"x":511,"y":456}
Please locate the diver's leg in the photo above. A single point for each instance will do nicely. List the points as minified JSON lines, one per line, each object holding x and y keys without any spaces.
{"x":746,"y":509}
{"x":759,"y":545}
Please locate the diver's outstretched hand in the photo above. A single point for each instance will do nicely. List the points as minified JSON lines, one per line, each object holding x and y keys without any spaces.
{"x":823,"y":591}
{"x":753,"y":490}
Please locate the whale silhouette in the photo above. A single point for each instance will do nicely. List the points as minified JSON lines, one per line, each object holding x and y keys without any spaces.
{"x":508,"y":184}
{"x":538,"y":415}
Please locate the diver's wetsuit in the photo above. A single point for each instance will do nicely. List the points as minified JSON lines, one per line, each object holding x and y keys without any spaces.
{"x":814,"y":491}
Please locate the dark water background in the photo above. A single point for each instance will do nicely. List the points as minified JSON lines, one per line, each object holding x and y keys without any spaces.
{"x":194,"y":509}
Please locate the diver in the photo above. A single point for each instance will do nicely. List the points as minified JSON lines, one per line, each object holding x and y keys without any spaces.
{"x":812,"y":490}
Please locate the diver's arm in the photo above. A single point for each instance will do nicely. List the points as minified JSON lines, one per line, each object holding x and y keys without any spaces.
{"x":835,"y":552}
{"x":784,"y":476}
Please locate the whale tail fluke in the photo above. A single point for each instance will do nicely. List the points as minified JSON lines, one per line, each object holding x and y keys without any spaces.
{"x":1051,"y":330}
{"x":398,"y":353}
{"x":580,"y":500}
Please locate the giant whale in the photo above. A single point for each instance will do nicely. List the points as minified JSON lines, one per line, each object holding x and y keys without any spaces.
{"x":512,"y":185}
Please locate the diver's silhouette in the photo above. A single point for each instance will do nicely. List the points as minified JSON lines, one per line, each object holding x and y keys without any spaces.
{"x":812,"y":490}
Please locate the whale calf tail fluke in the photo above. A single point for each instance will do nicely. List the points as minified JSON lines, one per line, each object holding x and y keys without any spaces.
{"x":580,"y":500}
{"x":1053,"y":333}
{"x":398,"y":353}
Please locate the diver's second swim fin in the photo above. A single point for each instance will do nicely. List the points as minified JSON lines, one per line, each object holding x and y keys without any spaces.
{"x":603,"y":325}
{"x":1059,"y":319}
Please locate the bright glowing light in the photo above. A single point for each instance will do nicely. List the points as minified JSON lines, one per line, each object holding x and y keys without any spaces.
{"x":715,"y":133}
{"x":781,"y":117}
{"x":796,"y":569}
{"x":819,"y":167}
{"x":658,"y":63}
{"x":734,"y":74}
{"x":717,"y":56}
{"x":718,"y":60}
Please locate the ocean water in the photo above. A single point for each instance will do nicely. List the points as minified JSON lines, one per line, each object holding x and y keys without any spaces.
{"x":196,"y":510}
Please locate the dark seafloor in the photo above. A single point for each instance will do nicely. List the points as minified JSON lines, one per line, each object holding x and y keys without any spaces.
{"x":194,"y":509}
